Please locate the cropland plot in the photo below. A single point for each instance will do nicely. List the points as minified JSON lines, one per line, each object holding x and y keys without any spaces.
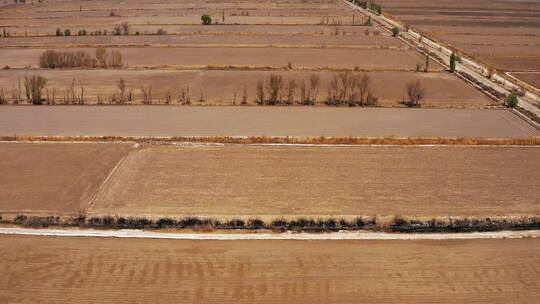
{"x":532,"y":79}
{"x":259,"y":121}
{"x":227,"y":87}
{"x":270,"y":182}
{"x":56,"y":179}
{"x":200,"y":29}
{"x":367,"y":59}
{"x":342,"y":39}
{"x":165,"y":271}
{"x":498,"y":33}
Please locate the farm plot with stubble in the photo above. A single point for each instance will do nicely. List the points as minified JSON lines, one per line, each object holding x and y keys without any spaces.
{"x":53,"y":179}
{"x":97,"y":270}
{"x":271,"y":182}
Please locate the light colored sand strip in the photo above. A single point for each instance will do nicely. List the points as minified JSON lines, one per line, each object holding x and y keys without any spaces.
{"x":271,"y":236}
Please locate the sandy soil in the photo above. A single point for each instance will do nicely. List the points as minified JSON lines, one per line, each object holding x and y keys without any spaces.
{"x":57,"y":179}
{"x":90,"y":270}
{"x":219,"y":87}
{"x":387,"y":59}
{"x":258,"y":121}
{"x":531,"y":78}
{"x":480,"y":20}
{"x":269,"y":182}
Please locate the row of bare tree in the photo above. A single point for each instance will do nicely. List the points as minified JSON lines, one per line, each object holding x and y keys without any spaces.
{"x":51,"y":59}
{"x":345,"y":89}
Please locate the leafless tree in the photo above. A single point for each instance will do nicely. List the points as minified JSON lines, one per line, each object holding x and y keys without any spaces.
{"x":146,"y":93}
{"x":3,"y":99}
{"x":363,"y":85}
{"x":121,"y":84}
{"x":314,"y":83}
{"x":303,"y":93}
{"x":416,"y":92}
{"x":34,"y":86}
{"x":260,"y":92}
{"x":291,"y":91}
{"x":101,"y":57}
{"x":274,"y":88}
{"x":125,"y":28}
{"x":244,"y":97}
{"x":115,"y":59}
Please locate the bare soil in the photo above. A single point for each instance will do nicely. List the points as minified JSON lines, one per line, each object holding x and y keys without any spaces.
{"x":97,"y":270}
{"x":269,"y":182}
{"x":531,"y":78}
{"x":496,"y":32}
{"x":259,"y":121}
{"x":386,"y":59}
{"x":53,"y":179}
{"x":227,"y":87}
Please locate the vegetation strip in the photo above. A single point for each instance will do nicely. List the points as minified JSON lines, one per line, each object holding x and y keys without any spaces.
{"x":396,"y":224}
{"x":461,"y":141}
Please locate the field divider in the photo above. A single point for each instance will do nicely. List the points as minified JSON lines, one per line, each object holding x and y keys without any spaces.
{"x":532,"y":141}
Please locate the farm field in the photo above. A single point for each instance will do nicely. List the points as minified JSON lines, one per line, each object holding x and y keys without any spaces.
{"x":532,"y":79}
{"x":261,"y":121}
{"x":90,"y":270}
{"x":502,"y":34}
{"x":53,"y":179}
{"x":214,"y":87}
{"x":371,"y":59}
{"x":269,"y":182}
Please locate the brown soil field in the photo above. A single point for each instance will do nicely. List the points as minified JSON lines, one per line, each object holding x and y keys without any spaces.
{"x":496,"y":32}
{"x":259,"y":121}
{"x":219,"y":87}
{"x":269,"y":182}
{"x":531,"y":78}
{"x":385,"y":59}
{"x":97,"y":270}
{"x":343,"y":40}
{"x":55,"y":179}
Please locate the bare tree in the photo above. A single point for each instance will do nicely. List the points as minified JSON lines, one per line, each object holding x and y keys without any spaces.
{"x":291,"y":91}
{"x":34,"y":86}
{"x":275,"y":85}
{"x":146,"y":93}
{"x":81,"y":97}
{"x":101,"y":57}
{"x":3,"y":99}
{"x":125,"y":28}
{"x":314,"y":83}
{"x":260,"y":92}
{"x":115,"y":59}
{"x":363,"y":85}
{"x":416,"y":92}
{"x":121,"y":84}
{"x":303,"y":93}
{"x":244,"y":97}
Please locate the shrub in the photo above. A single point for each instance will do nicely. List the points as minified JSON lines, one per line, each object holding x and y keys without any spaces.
{"x":67,"y":32}
{"x":416,"y":92}
{"x":512,"y":101}
{"x":206,"y":20}
{"x":395,"y":31}
{"x":161,"y":32}
{"x":59,"y":32}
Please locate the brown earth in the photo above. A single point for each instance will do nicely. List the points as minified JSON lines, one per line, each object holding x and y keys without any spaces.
{"x":220,"y":87}
{"x":532,"y":79}
{"x":269,"y":182}
{"x":97,"y":270}
{"x":386,"y":59}
{"x":56,"y":179}
{"x":498,"y":33}
{"x":259,"y":121}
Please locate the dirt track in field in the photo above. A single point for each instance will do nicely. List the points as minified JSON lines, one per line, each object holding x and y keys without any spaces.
{"x":269,"y":182}
{"x":91,"y":270}
{"x":259,"y":121}
{"x":220,"y":87}
{"x":52,"y":179}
